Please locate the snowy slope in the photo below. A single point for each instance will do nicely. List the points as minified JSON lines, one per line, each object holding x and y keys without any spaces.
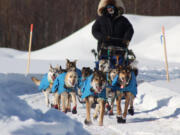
{"x":157,"y":105}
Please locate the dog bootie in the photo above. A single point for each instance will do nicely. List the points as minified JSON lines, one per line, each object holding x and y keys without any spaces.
{"x":108,"y":107}
{"x":111,"y":112}
{"x":95,"y":117}
{"x":68,"y":109}
{"x":120,"y":119}
{"x":131,"y":111}
{"x":54,"y":106}
{"x":74,"y":111}
{"x":87,"y":122}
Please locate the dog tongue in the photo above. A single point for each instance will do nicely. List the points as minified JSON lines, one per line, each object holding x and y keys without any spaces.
{"x":122,"y":87}
{"x":53,"y":78}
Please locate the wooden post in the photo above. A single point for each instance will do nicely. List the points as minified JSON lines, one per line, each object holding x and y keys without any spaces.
{"x":165,"y":52}
{"x":30,"y":44}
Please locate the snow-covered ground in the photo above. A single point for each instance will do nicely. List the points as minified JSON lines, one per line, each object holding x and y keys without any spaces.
{"x":157,"y":105}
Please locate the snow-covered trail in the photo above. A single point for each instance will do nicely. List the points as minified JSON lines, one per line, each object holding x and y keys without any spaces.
{"x":157,"y":105}
{"x":157,"y":109}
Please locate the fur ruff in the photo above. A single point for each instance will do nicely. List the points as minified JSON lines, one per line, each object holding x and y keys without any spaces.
{"x":103,"y":3}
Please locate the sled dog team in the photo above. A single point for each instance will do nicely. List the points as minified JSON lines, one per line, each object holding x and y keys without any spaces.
{"x":94,"y":87}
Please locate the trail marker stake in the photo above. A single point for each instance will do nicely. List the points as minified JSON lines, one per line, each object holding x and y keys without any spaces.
{"x":165,"y":52}
{"x":30,"y":44}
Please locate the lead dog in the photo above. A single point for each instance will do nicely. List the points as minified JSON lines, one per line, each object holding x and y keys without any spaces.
{"x":126,"y":81}
{"x":71,"y":66}
{"x":46,"y":83}
{"x":94,"y":91}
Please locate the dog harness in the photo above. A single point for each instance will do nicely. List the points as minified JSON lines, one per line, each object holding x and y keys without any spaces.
{"x":59,"y":85}
{"x":131,"y":87}
{"x":87,"y":90}
{"x":44,"y":84}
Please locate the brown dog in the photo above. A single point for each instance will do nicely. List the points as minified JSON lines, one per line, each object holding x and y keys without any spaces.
{"x":70,"y":64}
{"x":124,"y":78}
{"x":86,"y":72}
{"x":98,"y":84}
{"x":70,"y":82}
{"x":110,"y":92}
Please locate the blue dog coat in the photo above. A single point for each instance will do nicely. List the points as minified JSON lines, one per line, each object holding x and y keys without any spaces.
{"x":79,"y":76}
{"x":86,"y":90}
{"x":44,"y":84}
{"x":131,"y":87}
{"x":59,"y":85}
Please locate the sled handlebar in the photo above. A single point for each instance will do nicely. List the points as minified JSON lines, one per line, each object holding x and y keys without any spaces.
{"x":115,"y":48}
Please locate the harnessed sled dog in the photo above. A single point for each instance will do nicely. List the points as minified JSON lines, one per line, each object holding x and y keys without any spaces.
{"x":111,"y":90}
{"x":115,"y":57}
{"x":104,"y":66}
{"x":94,"y":91}
{"x":86,"y":72}
{"x":126,"y":85}
{"x":66,"y":86}
{"x":46,"y":83}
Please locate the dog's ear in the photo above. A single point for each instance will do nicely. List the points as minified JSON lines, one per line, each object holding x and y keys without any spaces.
{"x":50,"y":66}
{"x":75,"y":61}
{"x":67,"y":60}
{"x":95,"y":70}
{"x":57,"y":67}
{"x":60,"y":67}
{"x":82,"y":70}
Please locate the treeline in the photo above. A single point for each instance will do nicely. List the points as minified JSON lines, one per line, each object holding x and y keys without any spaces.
{"x":55,"y":19}
{"x":153,"y":7}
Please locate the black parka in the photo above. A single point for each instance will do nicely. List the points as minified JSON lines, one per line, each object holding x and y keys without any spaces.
{"x":117,"y":28}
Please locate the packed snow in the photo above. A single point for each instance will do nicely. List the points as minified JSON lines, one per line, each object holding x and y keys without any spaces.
{"x":157,"y":105}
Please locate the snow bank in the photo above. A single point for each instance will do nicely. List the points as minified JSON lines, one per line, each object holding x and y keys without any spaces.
{"x":19,"y":118}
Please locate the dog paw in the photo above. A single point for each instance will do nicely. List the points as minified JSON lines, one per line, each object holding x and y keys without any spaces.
{"x":87,"y":122}
{"x":95,"y":117}
{"x":100,"y":124}
{"x":111,"y":112}
{"x":64,"y":111}
{"x":74,"y":111}
{"x":121,"y":119}
{"x":68,"y":110}
{"x":131,"y":111}
{"x":55,"y":106}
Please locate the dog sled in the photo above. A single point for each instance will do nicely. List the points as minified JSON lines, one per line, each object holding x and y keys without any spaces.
{"x":115,"y":56}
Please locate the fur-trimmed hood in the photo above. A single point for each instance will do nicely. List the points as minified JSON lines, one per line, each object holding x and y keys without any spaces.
{"x":117,"y":3}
